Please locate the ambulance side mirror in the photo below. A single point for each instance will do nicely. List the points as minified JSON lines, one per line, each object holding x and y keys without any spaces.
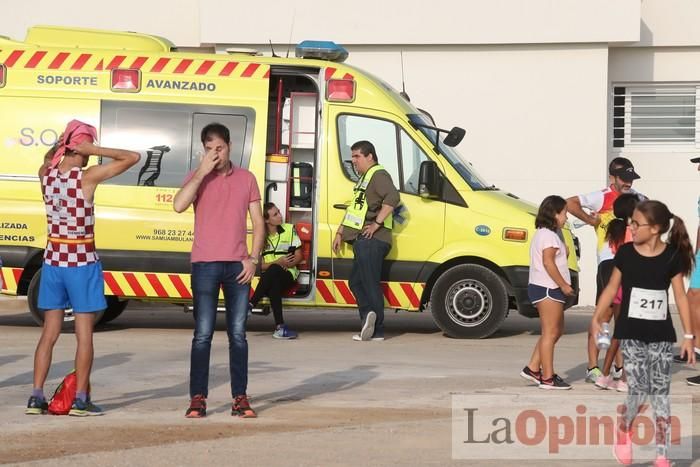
{"x":429,"y":180}
{"x":454,"y":137}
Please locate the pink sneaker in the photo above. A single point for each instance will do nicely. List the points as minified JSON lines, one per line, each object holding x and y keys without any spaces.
{"x":605,"y":382}
{"x":661,"y":461}
{"x":623,"y":447}
{"x":621,"y":386}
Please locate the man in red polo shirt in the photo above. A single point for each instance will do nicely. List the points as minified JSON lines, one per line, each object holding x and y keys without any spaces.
{"x":222,"y":195}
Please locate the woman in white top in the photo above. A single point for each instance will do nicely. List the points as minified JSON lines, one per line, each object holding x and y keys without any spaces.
{"x":548,"y":285}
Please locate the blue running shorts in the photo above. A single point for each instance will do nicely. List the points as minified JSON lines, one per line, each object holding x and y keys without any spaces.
{"x":80,"y":288}
{"x":537,"y":293}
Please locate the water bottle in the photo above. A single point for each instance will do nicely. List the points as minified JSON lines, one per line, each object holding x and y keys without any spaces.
{"x":603,"y":338}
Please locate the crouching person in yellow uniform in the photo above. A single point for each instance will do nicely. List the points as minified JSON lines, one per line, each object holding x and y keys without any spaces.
{"x":281,"y":255}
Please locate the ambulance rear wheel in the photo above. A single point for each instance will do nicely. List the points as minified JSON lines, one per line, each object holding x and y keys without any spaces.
{"x":115,"y":307}
{"x":38,"y":315}
{"x":469,"y":301}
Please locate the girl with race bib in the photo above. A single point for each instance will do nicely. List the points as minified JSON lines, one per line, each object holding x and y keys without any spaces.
{"x":645,"y":268}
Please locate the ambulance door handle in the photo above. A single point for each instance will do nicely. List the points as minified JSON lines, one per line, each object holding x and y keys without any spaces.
{"x":340,"y":206}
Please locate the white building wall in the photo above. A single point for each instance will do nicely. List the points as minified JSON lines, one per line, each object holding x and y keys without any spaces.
{"x":669,"y":23}
{"x":666,"y":173}
{"x":416,"y":22}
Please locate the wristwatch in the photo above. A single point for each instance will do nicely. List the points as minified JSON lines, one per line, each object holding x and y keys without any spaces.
{"x":378,"y":223}
{"x":254,"y":260}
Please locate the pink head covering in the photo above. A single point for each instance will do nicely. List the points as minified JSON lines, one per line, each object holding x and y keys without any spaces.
{"x":75,"y":133}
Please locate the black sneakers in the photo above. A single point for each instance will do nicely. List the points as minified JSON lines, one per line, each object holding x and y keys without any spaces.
{"x":533,"y":376}
{"x":555,"y":382}
{"x":84,"y":408}
{"x":36,"y":406}
{"x":679,"y":359}
{"x":693,"y":381}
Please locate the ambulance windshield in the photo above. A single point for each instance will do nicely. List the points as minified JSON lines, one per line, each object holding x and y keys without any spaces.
{"x":462,"y":166}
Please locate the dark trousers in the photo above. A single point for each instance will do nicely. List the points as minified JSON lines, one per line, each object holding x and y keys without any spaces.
{"x":605,"y":269}
{"x":207,"y":280}
{"x":273,"y":282}
{"x":365,"y":278}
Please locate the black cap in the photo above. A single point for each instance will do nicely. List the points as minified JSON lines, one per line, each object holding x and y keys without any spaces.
{"x":625,"y":171}
{"x":695,"y":160}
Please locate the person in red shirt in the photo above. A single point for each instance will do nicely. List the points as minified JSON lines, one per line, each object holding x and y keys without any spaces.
{"x":223,"y":196}
{"x":596,"y":209}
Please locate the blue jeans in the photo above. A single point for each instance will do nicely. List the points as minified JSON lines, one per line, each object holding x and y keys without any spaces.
{"x":207,"y":279}
{"x":365,"y":278}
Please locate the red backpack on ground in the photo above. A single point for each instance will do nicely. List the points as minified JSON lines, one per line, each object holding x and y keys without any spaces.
{"x":62,"y":398}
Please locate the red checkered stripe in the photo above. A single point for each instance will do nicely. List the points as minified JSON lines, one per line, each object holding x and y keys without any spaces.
{"x":69,"y":216}
{"x":9,"y":278}
{"x":334,"y":73}
{"x":152,"y":285}
{"x":405,"y":295}
{"x":147,"y":284}
{"x":82,"y":61}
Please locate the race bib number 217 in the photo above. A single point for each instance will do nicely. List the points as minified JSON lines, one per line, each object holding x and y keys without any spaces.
{"x":648,"y":304}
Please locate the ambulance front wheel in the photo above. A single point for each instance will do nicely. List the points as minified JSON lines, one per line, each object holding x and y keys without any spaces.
{"x":469,"y":301}
{"x":38,"y":315}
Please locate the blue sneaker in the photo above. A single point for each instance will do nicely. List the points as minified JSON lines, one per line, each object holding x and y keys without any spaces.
{"x":36,"y":406}
{"x":283,"y":332}
{"x":81,"y":408}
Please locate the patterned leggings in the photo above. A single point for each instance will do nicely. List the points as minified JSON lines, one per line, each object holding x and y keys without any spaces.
{"x":648,"y":369}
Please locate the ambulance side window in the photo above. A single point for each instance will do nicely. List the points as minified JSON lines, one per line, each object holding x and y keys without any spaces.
{"x":168,"y":138}
{"x":396,"y":151}
{"x":381,"y":133}
{"x":411,"y":157}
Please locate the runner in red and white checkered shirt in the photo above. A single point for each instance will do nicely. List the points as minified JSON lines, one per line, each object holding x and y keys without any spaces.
{"x":71,"y":276}
{"x":69,"y":216}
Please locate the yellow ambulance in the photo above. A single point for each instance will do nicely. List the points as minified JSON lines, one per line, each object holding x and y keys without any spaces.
{"x":460,"y":244}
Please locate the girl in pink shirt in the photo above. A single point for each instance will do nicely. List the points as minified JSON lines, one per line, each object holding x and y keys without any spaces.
{"x":548,"y":285}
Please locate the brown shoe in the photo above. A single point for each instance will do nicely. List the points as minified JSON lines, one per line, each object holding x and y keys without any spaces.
{"x":198,"y":407}
{"x":241,"y":407}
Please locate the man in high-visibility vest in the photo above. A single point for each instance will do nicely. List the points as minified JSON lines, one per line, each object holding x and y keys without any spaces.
{"x":367,"y":227}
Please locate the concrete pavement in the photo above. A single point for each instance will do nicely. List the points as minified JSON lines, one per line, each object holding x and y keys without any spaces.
{"x":322,"y":400}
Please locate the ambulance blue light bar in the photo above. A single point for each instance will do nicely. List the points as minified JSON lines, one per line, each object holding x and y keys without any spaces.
{"x":324,"y":50}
